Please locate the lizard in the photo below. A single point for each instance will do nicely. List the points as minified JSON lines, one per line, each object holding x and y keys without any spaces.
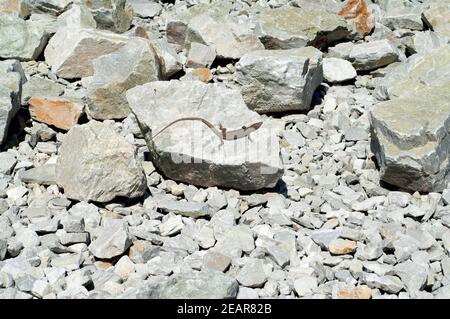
{"x":222,"y":132}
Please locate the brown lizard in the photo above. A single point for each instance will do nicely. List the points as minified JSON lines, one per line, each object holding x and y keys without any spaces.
{"x":222,"y":132}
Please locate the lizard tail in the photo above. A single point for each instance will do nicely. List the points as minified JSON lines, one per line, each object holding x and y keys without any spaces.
{"x":190,"y":119}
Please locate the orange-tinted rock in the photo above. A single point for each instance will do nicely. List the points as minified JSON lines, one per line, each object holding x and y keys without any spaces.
{"x":342,"y":246}
{"x":203,"y":74}
{"x":361,"y":292}
{"x":18,"y":7}
{"x":359,"y":14}
{"x":59,"y":112}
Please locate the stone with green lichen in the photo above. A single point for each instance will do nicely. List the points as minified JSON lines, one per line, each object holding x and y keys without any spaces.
{"x":289,"y":27}
{"x":410,"y":139}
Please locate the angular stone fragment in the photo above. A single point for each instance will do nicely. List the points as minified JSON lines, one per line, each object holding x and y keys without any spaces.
{"x":133,"y":64}
{"x":318,"y":27}
{"x":43,"y":175}
{"x":146,"y":8}
{"x":96,"y":164}
{"x":113,"y":239}
{"x":337,"y":70}
{"x":410,"y":139}
{"x":7,"y":162}
{"x":169,"y":61}
{"x":437,"y":16}
{"x":216,"y":261}
{"x":37,"y":86}
{"x":342,"y":246}
{"x":230,"y":40}
{"x":200,"y":56}
{"x":189,"y":151}
{"x":368,"y":55}
{"x":418,"y":72}
{"x":71,"y":53}
{"x":207,"y":284}
{"x":279,"y":80}
{"x":77,"y":17}
{"x":53,"y":7}
{"x":59,"y":112}
{"x":359,"y":14}
{"x":252,"y":274}
{"x":402,"y":14}
{"x":20,"y":39}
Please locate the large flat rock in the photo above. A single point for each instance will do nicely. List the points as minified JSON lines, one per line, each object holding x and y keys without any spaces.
{"x":189,"y":151}
{"x":279,"y":80}
{"x":410,"y":139}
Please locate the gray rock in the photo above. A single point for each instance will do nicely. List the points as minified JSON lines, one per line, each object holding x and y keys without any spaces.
{"x":106,"y":166}
{"x":113,"y":239}
{"x":76,"y":17}
{"x":368,"y":55}
{"x":401,"y":14}
{"x":7,"y":162}
{"x":323,"y":237}
{"x":70,"y":54}
{"x":54,"y":7}
{"x":304,"y":284}
{"x":414,"y":276}
{"x":279,"y":80}
{"x":318,"y":27}
{"x":113,"y":15}
{"x":172,"y":226}
{"x":3,"y":248}
{"x":169,"y":61}
{"x":435,"y":15}
{"x":187,"y":209}
{"x":20,"y":39}
{"x":200,"y":56}
{"x":280,"y":254}
{"x":197,"y":285}
{"x":43,"y":175}
{"x":230,"y":39}
{"x":235,"y":241}
{"x":216,"y":261}
{"x":389,"y":284}
{"x":145,"y":8}
{"x":410,"y":141}
{"x":133,"y":64}
{"x":337,"y":70}
{"x":190,"y":151}
{"x":38,"y":86}
{"x":252,"y":274}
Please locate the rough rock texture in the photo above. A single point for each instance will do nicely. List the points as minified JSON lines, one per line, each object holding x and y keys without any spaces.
{"x":279,"y":80}
{"x":437,"y":16}
{"x":337,"y":70}
{"x":113,"y":15}
{"x":19,"y":39}
{"x":10,"y":94}
{"x":318,"y":28}
{"x":71,"y":54}
{"x":402,"y":14}
{"x":418,"y":72}
{"x":133,"y":64}
{"x":205,"y":163}
{"x":367,"y":56}
{"x":358,"y":13}
{"x":97,"y":164}
{"x":38,"y":86}
{"x":17,"y":7}
{"x":112,"y":241}
{"x":410,"y":139}
{"x":61,"y":113}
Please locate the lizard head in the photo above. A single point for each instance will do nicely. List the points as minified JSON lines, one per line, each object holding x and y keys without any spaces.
{"x":257,"y":125}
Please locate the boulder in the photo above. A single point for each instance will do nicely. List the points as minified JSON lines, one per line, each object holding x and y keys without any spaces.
{"x":189,"y":151}
{"x":20,"y":39}
{"x":96,"y":164}
{"x":368,"y":55}
{"x":279,"y":80}
{"x":410,"y":139}
{"x":402,"y":14}
{"x":70,"y":52}
{"x":112,"y":15}
{"x":278,"y":28}
{"x":53,"y":7}
{"x":418,"y":72}
{"x":133,"y":64}
{"x":37,"y":86}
